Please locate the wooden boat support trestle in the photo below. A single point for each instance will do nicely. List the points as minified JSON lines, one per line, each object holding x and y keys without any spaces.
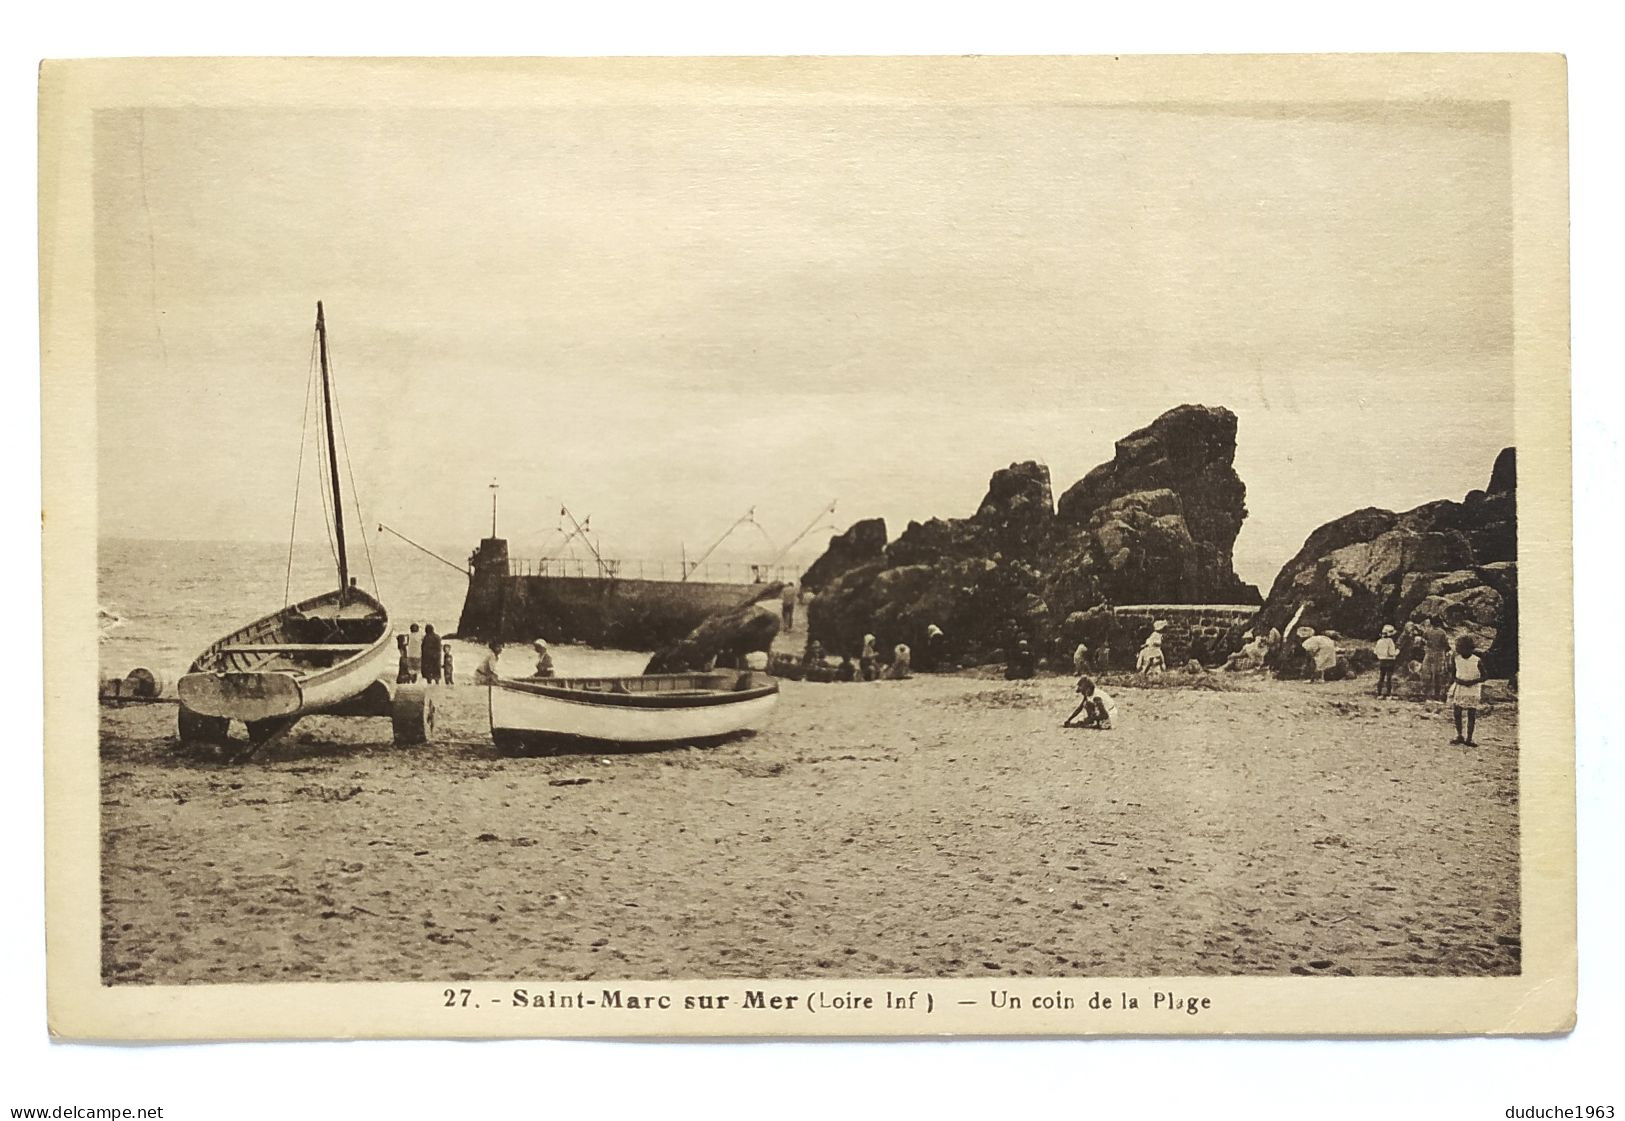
{"x":410,"y":709}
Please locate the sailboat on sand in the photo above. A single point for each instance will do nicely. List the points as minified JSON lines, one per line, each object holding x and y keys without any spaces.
{"x":315,"y":656}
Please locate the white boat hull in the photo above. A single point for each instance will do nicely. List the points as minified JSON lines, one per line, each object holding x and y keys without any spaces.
{"x":562,"y":716}
{"x":251,"y":696}
{"x":261,"y":672}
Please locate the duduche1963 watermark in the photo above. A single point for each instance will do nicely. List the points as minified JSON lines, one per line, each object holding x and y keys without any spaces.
{"x":1561,"y":1112}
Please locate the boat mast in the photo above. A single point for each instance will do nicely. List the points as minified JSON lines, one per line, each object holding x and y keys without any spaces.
{"x":332,"y":455}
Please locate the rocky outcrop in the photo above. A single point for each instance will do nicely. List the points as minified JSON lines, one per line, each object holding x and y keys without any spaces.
{"x":1504,"y":475}
{"x":1455,"y":562}
{"x":724,"y":639}
{"x":861,"y":544}
{"x":1165,"y":512}
{"x":1155,"y":524}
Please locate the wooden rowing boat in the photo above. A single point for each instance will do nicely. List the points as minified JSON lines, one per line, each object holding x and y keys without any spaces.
{"x":313,"y":656}
{"x":564,"y":714}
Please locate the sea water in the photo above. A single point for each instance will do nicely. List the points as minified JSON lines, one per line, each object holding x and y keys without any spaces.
{"x":161,"y":602}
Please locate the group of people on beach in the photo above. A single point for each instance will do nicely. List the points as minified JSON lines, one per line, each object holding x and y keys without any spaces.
{"x":1444,"y":671}
{"x":1457,"y":679}
{"x":489,"y":673}
{"x":871,"y":661}
{"x":869,"y":665}
{"x":425,"y":656}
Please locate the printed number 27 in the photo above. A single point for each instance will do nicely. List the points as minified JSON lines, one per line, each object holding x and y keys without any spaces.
{"x":457,"y":998}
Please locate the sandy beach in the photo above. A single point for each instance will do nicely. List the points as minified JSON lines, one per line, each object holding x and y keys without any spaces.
{"x":944,"y":826}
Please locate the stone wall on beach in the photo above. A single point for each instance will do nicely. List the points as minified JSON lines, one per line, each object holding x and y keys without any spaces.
{"x":1206,"y":632}
{"x":1155,"y":524}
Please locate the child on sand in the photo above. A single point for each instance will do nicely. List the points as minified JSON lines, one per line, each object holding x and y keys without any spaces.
{"x":1466,"y":687}
{"x":846,"y":671}
{"x":1096,"y":705}
{"x":1387,"y":652}
{"x":445,"y":663}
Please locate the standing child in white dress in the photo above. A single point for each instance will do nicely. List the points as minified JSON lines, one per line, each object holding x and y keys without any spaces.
{"x":1466,"y":688}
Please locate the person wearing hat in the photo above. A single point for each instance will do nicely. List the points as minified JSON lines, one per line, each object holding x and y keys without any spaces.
{"x":1322,"y":653}
{"x":936,"y":649}
{"x":544,"y":660}
{"x":869,"y":659}
{"x":1387,"y":652}
{"x":1151,"y":661}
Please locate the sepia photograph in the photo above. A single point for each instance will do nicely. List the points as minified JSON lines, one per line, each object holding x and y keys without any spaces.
{"x":991,"y":546}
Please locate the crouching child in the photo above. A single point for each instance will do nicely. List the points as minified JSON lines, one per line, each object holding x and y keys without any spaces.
{"x":1094,"y":705}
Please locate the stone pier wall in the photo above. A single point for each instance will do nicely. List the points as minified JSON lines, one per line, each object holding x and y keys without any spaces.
{"x":629,"y":614}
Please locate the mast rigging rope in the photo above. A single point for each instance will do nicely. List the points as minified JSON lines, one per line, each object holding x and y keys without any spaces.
{"x":299,"y":474}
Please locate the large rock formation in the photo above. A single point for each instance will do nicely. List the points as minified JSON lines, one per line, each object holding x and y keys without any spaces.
{"x":861,"y":544}
{"x":1156,"y":524}
{"x":723,"y":639}
{"x":1455,"y":562}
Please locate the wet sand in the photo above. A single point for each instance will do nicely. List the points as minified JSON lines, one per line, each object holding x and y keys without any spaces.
{"x":943,"y":826}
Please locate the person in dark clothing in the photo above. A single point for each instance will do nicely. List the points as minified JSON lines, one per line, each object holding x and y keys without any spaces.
{"x":1020,"y":665}
{"x":432,"y":655}
{"x":787,"y":602}
{"x":936,"y":649}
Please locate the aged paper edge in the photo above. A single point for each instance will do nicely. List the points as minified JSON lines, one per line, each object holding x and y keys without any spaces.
{"x":1541,"y":1000}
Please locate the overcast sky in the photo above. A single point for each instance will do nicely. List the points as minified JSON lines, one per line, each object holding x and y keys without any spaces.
{"x":665,"y":315}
